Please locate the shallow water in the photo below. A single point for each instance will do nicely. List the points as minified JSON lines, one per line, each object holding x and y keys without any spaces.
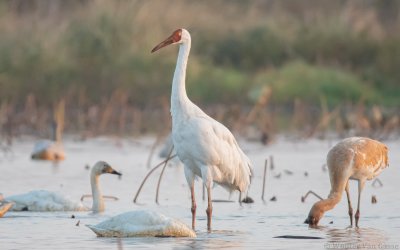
{"x":234,"y":226}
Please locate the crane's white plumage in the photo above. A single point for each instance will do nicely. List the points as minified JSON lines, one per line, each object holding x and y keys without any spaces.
{"x":42,"y":200}
{"x":142,"y":224}
{"x":209,"y":150}
{"x":206,"y":147}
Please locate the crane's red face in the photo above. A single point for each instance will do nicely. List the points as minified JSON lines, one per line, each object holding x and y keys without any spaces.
{"x":174,"y":38}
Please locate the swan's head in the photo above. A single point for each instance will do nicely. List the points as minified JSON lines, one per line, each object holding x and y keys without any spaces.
{"x":102,"y":167}
{"x":177,"y":37}
{"x":315,"y":214}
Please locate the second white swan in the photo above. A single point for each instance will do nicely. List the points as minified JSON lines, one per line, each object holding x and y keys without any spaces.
{"x":43,"y":200}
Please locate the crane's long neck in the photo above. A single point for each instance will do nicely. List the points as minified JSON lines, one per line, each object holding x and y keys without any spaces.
{"x":179,"y":100}
{"x":330,"y":202}
{"x":98,"y":202}
{"x":334,"y":198}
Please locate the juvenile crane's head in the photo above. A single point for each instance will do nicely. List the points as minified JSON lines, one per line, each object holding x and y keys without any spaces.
{"x":316,"y":213}
{"x":177,"y":37}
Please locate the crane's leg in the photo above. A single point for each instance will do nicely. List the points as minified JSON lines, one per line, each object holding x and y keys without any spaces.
{"x":209,"y":208}
{"x":193,"y":206}
{"x":349,"y":203}
{"x":190,"y":180}
{"x":360,"y":188}
{"x":208,"y":181}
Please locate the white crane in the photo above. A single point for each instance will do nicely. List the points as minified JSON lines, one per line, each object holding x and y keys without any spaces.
{"x":356,"y":158}
{"x":206,"y":147}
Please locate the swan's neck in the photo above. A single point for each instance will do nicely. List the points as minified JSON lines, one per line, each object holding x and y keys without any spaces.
{"x":180,"y":103}
{"x":98,"y":202}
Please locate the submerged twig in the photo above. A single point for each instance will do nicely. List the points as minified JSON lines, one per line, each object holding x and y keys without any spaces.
{"x":104,"y":196}
{"x":271,"y":162}
{"x":303,"y":198}
{"x":204,"y":192}
{"x":162,"y":172}
{"x":298,"y":237}
{"x":222,"y":201}
{"x":153,"y":148}
{"x":264,"y":177}
{"x":278,"y":176}
{"x":373,"y":199}
{"x":377,"y":181}
{"x":288,"y":172}
{"x":248,"y":200}
{"x":150,"y":172}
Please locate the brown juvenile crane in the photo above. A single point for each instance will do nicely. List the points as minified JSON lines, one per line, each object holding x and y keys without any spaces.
{"x":355,"y":158}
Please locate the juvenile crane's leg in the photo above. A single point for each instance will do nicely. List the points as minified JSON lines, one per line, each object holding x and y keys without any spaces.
{"x":360,"y":188}
{"x":193,"y":206}
{"x":349,"y":203}
{"x":209,"y":208}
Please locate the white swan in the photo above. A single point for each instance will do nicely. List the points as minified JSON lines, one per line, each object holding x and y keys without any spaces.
{"x":142,"y":224}
{"x":48,"y":150}
{"x":52,"y":150}
{"x":42,"y":200}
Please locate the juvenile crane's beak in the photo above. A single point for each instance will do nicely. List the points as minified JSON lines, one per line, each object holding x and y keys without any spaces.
{"x":164,"y":43}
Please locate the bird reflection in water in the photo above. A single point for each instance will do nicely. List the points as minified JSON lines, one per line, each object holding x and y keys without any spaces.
{"x":353,"y":238}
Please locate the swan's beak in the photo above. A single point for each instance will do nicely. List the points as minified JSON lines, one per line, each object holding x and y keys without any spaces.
{"x":166,"y":42}
{"x":115,"y":172}
{"x":110,"y":170}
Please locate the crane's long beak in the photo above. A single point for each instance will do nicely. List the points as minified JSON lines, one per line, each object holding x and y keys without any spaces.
{"x":166,"y":42}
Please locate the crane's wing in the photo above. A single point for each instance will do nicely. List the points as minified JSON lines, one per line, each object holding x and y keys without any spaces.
{"x":211,"y":144}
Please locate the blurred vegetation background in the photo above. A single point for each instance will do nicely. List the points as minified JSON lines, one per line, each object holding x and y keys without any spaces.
{"x":317,"y":62}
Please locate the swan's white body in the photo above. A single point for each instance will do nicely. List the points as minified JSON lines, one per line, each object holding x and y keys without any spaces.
{"x":142,"y":224}
{"x":205,"y":146}
{"x":48,"y":150}
{"x":42,"y":200}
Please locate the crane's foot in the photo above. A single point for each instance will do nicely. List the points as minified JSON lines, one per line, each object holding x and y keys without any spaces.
{"x":351,"y":217}
{"x":193,"y":217}
{"x":209,"y":214}
{"x":357,"y":217}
